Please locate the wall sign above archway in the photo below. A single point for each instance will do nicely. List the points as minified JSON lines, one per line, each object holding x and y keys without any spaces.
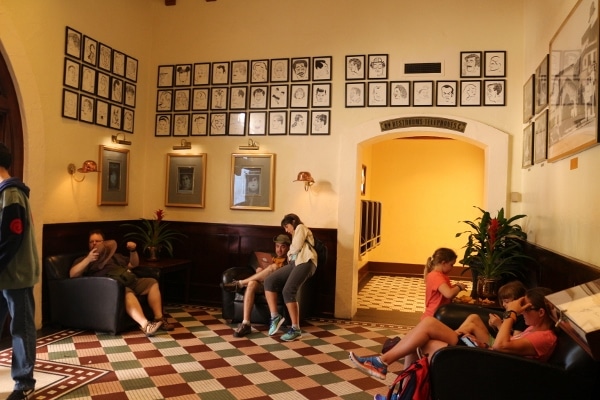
{"x":431,"y":122}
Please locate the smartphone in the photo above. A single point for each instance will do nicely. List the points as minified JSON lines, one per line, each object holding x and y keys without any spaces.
{"x":468,"y":341}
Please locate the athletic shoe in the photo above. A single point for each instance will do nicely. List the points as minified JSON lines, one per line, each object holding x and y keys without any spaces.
{"x":387,"y":346}
{"x":166,"y":325}
{"x":291,"y":335}
{"x":20,"y":394}
{"x":151,"y":327}
{"x":371,"y":365}
{"x":242,"y":330}
{"x":275,"y":324}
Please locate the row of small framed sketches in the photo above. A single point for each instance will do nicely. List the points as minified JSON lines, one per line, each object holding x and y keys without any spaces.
{"x":259,"y":97}
{"x":535,"y":91}
{"x":79,"y":106}
{"x":257,"y":123}
{"x":96,"y":54}
{"x":361,"y":66}
{"x":246,"y":71}
{"x":535,"y":141}
{"x":422,"y":94}
{"x":494,"y":64}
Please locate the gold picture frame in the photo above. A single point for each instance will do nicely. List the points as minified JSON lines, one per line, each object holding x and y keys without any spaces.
{"x":186,"y":180}
{"x":252,"y":181}
{"x":113,"y":185}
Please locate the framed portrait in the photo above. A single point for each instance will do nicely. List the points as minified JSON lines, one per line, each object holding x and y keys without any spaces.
{"x":355,"y":67}
{"x":186,"y":180}
{"x":70,"y":103}
{"x":90,"y":51}
{"x":470,"y":93}
{"x":200,"y":99}
{"x":495,"y":64}
{"x":86,"y":109}
{"x":116,"y":89}
{"x":199,"y":124}
{"x":238,"y":97}
{"x":400,"y":93}
{"x":378,"y":66}
{"x":422,"y":93}
{"x":201,"y":74}
{"x":470,"y":64}
{"x":378,"y":94}
{"x":321,"y":95}
{"x":130,"y":94}
{"x":164,"y":100}
{"x":299,"y":95}
{"x":258,"y":97}
{"x":163,"y":125}
{"x":278,"y":96}
{"x":220,"y":73}
{"x":320,"y":122}
{"x":115,"y":116}
{"x":277,"y":122}
{"x":252,"y":181}
{"x":183,"y":75}
{"x":104,"y":57}
{"x":101,"y":113}
{"x":113,"y":185}
{"x":446,"y":93}
{"x":259,"y":71}
{"x":541,"y":85}
{"x":218,"y":98}
{"x":182,"y":100}
{"x":280,"y":70}
{"x":237,"y":124}
{"x":88,"y":79}
{"x":118,"y":63}
{"x":527,"y":146}
{"x":355,"y":94}
{"x":300,"y":69}
{"x":131,"y":68}
{"x":299,"y":123}
{"x":528,"y":99}
{"x":322,"y":68}
{"x":72,"y":73}
{"x":257,"y":123}
{"x":540,"y":138}
{"x":495,"y":92}
{"x":165,"y":75}
{"x":103,"y":85}
{"x":239,"y":72}
{"x":181,"y":124}
{"x":218,"y":124}
{"x":128,"y":120}
{"x":73,"y":43}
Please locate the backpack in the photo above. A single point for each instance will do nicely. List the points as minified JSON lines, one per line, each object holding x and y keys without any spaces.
{"x":412,"y":383}
{"x":321,"y":250}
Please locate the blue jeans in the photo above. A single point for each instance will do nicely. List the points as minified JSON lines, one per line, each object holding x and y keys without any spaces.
{"x":21,"y":306}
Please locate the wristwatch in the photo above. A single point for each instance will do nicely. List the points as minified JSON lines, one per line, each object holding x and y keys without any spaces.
{"x":507,"y":313}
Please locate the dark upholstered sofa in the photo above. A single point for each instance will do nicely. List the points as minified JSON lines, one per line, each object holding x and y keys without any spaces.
{"x":89,"y":303}
{"x":233,"y":303}
{"x":460,"y":372}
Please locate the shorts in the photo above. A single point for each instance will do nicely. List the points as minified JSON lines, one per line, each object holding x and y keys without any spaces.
{"x":141,"y":286}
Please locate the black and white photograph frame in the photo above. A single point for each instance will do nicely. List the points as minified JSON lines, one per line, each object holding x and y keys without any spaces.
{"x":239,"y":72}
{"x":183,"y":75}
{"x":277,"y":122}
{"x":88,"y":79}
{"x":280,"y":70}
{"x":218,"y":124}
{"x":259,"y":71}
{"x":257,"y":123}
{"x":201,"y":74}
{"x":258,"y":97}
{"x":422,"y":94}
{"x":90,"y":51}
{"x":113,"y":185}
{"x":101,"y":118}
{"x":540,"y":138}
{"x":166,"y":75}
{"x":131,"y":68}
{"x":181,"y":125}
{"x":86,"y":108}
{"x":299,"y":95}
{"x":116,"y":90}
{"x":72,"y":73}
{"x":199,"y":126}
{"x":446,"y":93}
{"x":186,"y":180}
{"x":470,"y":93}
{"x":220,"y":73}
{"x":164,"y":100}
{"x":200,"y":98}
{"x":541,"y":85}
{"x":355,"y":67}
{"x":355,"y":94}
{"x":163,"y":125}
{"x":321,"y":95}
{"x":238,"y":98}
{"x":320,"y":122}
{"x":494,"y":92}
{"x":237,"y":124}
{"x":377,"y":94}
{"x":104,"y":57}
{"x":118,"y":63}
{"x":115,"y":117}
{"x":378,"y":66}
{"x":400,"y":94}
{"x":470,"y":64}
{"x":321,"y":68}
{"x":128,"y":120}
{"x":70,"y":104}
{"x":495,"y":64}
{"x":300,"y":69}
{"x":299,"y":122}
{"x":252,"y":182}
{"x":527,"y":160}
{"x":130,"y":94}
{"x":73,"y":40}
{"x":278,"y":96}
{"x":103,"y":85}
{"x":219,"y":97}
{"x":528,"y":99}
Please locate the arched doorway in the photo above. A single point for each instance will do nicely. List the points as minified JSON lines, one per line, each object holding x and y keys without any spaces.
{"x":11,"y":130}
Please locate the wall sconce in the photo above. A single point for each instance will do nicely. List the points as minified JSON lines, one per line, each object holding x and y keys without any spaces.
{"x":115,"y":139}
{"x":304,"y":176}
{"x":252,"y":145}
{"x":185,"y":145}
{"x":88,"y":166}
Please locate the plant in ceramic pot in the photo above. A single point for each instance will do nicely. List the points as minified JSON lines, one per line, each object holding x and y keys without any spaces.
{"x":154,"y":235}
{"x":493,"y":251}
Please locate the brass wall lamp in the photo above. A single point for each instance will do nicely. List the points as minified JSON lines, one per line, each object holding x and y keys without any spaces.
{"x":88,"y":166}
{"x":185,"y":145}
{"x":252,"y":145}
{"x":115,"y":139}
{"x":306,"y":177}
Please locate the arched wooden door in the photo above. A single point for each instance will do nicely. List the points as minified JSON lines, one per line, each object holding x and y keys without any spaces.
{"x":11,"y":129}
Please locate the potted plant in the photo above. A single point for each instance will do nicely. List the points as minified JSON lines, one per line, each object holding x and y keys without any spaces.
{"x":493,"y":251}
{"x":154,"y":235}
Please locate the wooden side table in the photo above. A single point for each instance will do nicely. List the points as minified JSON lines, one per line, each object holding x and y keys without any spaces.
{"x":159,"y":268}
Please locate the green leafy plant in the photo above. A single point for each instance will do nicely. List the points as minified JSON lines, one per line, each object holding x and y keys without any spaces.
{"x":154,"y":233}
{"x":494,"y":248}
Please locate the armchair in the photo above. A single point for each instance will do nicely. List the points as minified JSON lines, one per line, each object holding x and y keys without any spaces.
{"x":90,"y":303}
{"x":459,"y":372}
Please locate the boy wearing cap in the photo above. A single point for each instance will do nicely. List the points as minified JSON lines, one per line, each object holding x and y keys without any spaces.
{"x":253,"y":284}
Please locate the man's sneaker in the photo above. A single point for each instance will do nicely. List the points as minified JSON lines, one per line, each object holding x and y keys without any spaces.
{"x":242,"y":330}
{"x":20,"y":394}
{"x":291,"y":335}
{"x":371,"y":365}
{"x":151,"y":327}
{"x":387,"y":346}
{"x":166,"y":325}
{"x":275,"y":324}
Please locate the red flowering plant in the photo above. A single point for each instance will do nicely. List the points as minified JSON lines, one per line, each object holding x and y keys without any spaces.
{"x":154,"y":233}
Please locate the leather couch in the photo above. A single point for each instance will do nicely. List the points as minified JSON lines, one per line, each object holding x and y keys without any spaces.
{"x":233,"y":303}
{"x":460,"y":372}
{"x":87,"y":303}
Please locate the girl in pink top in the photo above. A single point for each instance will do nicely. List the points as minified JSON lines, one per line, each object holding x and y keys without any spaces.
{"x":438,"y":289}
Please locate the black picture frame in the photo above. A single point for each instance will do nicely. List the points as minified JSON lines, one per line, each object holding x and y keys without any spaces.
{"x":164,"y":100}
{"x":218,"y":124}
{"x":163,"y":125}
{"x":115,"y":117}
{"x":116,"y":90}
{"x":182,"y":100}
{"x":400,"y":93}
{"x":131,"y":68}
{"x":321,"y":95}
{"x":527,"y":160}
{"x":201,"y":74}
{"x":73,"y":43}
{"x":199,"y":124}
{"x":470,"y":64}
{"x":219,"y":97}
{"x":257,"y":100}
{"x":540,"y":138}
{"x":355,"y":94}
{"x":70,"y":104}
{"x":495,"y":64}
{"x":299,"y":122}
{"x":470,"y":93}
{"x":259,"y":71}
{"x":102,"y":113}
{"x":88,"y":79}
{"x":300,"y":69}
{"x":237,"y":124}
{"x":86,"y":108}
{"x":377,"y":95}
{"x":183,"y":75}
{"x":446,"y":93}
{"x":102,"y":85}
{"x":257,"y":123}
{"x":72,"y":73}
{"x":220,"y":73}
{"x":529,"y":99}
{"x":130,"y":94}
{"x":541,"y":85}
{"x":238,"y":98}
{"x":181,"y":125}
{"x":118,"y":63}
{"x":278,"y":96}
{"x":355,"y":67}
{"x":128,"y":120}
{"x":104,"y":57}
{"x":166,"y":75}
{"x":280,"y":70}
{"x":320,"y":122}
{"x":277,"y":123}
{"x":200,"y":97}
{"x":422,"y":95}
{"x":322,"y":68}
{"x":239,"y":72}
{"x":378,"y":66}
{"x":299,"y":95}
{"x":494,"y":92}
{"x":89,"y":53}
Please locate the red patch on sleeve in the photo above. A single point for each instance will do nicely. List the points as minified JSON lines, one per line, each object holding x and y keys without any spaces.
{"x":16,"y":226}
